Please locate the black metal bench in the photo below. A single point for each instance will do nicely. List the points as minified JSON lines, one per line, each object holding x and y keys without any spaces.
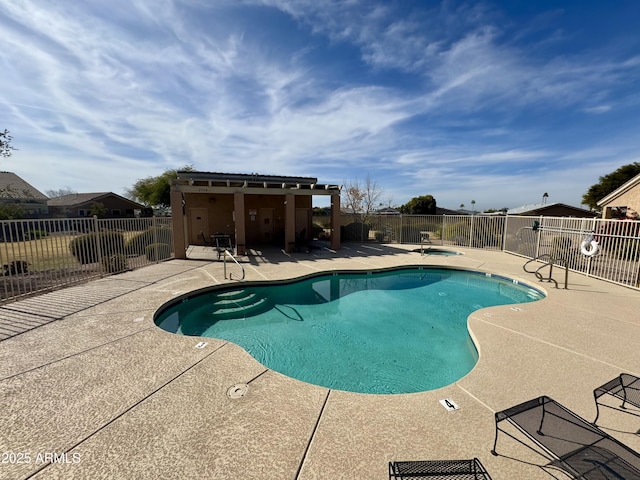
{"x":569,"y":442}
{"x":439,"y":469}
{"x":625,"y":387}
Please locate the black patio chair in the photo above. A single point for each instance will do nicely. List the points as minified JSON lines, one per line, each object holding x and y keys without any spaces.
{"x":569,"y":442}
{"x":625,"y":387}
{"x":222,"y":243}
{"x":439,"y":469}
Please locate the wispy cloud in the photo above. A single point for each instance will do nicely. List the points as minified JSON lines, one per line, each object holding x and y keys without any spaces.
{"x":322,"y":88}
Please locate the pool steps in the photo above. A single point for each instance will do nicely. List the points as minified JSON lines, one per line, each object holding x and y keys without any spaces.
{"x":238,"y":304}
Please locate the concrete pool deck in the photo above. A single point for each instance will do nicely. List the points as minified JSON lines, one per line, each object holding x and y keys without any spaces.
{"x":120,"y":398}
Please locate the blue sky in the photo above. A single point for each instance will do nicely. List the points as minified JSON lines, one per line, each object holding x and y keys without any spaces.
{"x":497,"y":102}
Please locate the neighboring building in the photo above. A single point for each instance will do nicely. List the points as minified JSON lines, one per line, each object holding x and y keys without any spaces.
{"x":80,"y":205}
{"x":253,"y":209}
{"x":14,"y":191}
{"x":551,"y":210}
{"x":464,"y":211}
{"x":388,"y":211}
{"x":623,"y":202}
{"x":447,"y":211}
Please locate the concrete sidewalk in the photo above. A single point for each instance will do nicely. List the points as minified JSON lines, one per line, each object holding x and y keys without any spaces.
{"x":98,"y":391}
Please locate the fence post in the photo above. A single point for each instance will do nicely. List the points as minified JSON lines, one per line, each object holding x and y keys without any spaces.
{"x":504,"y":233}
{"x":96,"y":231}
{"x":401,"y":229}
{"x":471,"y":232}
{"x":537,"y":252}
{"x":155,"y":239}
{"x":594,"y":226}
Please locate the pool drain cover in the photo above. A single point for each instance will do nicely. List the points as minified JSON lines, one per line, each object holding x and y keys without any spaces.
{"x":237,"y":391}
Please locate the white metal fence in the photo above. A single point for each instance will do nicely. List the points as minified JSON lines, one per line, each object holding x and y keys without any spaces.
{"x":463,"y":230}
{"x":617,"y":258}
{"x":41,"y":255}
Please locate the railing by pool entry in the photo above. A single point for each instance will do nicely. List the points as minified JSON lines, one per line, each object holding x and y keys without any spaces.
{"x":224,"y":256}
{"x":548,"y":261}
{"x":424,"y":240}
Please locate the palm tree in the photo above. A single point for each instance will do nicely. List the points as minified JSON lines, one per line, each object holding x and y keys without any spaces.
{"x":545,"y":195}
{"x":462,"y":205}
{"x":473,"y":206}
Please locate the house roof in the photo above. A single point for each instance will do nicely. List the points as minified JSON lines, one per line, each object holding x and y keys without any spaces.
{"x":448,"y":211}
{"x":12,"y":186}
{"x":537,"y":208}
{"x":625,"y":187}
{"x":78,"y":199}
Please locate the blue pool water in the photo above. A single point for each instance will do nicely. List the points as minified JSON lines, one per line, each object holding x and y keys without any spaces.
{"x":392,"y":331}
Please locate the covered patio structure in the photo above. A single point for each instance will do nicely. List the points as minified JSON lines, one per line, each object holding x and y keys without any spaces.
{"x":252,"y":209}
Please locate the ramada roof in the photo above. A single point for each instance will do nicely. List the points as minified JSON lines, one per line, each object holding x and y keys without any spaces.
{"x":202,"y":182}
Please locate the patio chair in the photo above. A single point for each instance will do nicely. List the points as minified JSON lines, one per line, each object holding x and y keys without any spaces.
{"x":625,"y":387}
{"x":569,"y":442}
{"x":222,"y":243}
{"x":439,"y":469}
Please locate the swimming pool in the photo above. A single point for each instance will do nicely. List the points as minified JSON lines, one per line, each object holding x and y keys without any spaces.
{"x":435,"y":251}
{"x":397,"y":330}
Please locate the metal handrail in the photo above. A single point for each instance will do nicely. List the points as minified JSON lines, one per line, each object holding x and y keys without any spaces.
{"x":548,"y":263}
{"x":226,"y":252}
{"x":424,"y":238}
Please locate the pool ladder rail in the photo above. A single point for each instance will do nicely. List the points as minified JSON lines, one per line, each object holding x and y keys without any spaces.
{"x":226,"y":254}
{"x":549,"y":261}
{"x":425,"y":240}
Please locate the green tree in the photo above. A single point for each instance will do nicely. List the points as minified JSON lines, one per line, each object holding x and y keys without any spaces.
{"x":5,"y":144}
{"x":608,"y":183}
{"x":98,"y":209}
{"x":424,"y":205}
{"x":155,"y":191}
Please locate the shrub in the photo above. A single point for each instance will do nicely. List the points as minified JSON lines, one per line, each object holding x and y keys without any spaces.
{"x":458,"y":233}
{"x":157,"y":251}
{"x":138,"y":243}
{"x":115,"y":263}
{"x":354,"y":232}
{"x":14,"y":267}
{"x":84,"y":247}
{"x":484,"y":234}
{"x":316,"y":230}
{"x":35,"y":234}
{"x":411,"y":233}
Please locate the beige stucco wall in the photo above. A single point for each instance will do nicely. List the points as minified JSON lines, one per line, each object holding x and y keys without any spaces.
{"x":258,"y":209}
{"x":629,"y":199}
